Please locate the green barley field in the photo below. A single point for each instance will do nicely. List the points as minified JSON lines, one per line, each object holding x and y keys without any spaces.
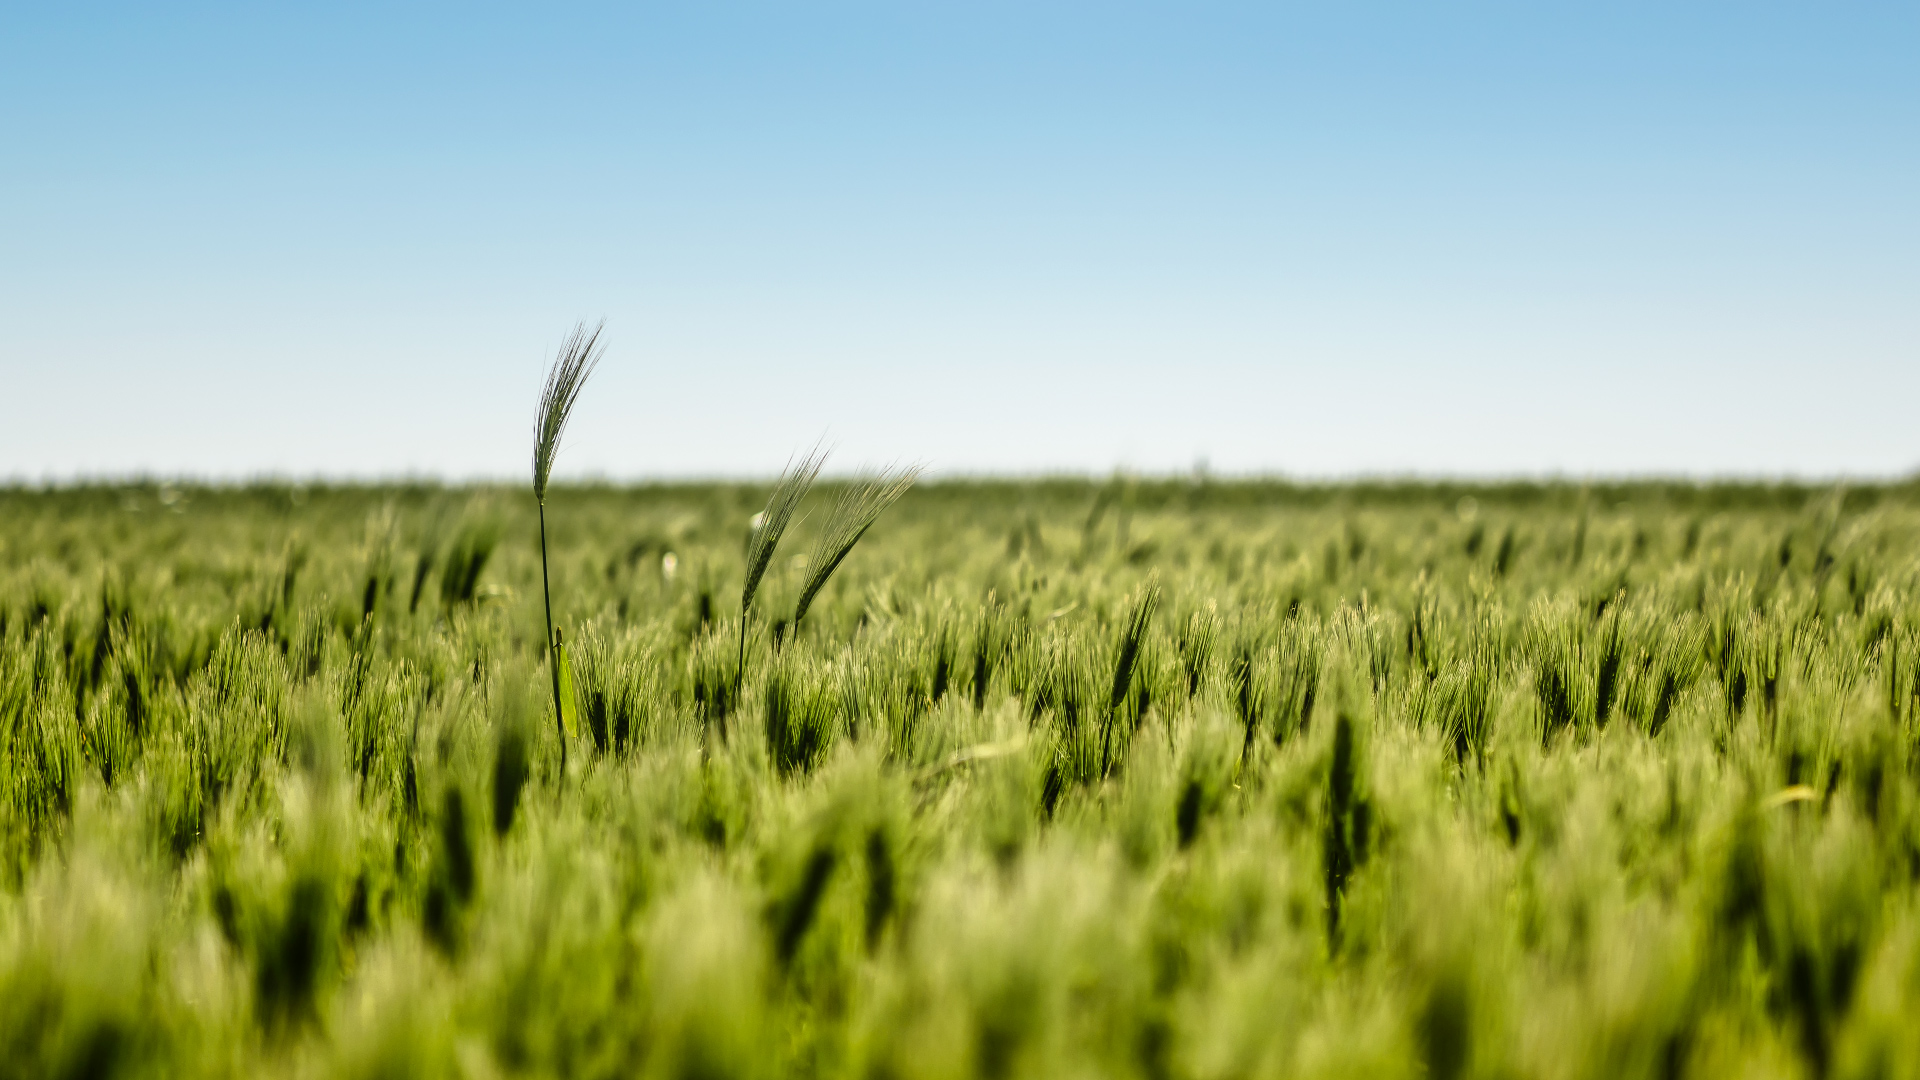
{"x":1129,"y":778}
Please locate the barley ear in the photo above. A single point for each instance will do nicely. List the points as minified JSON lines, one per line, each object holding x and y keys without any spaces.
{"x":578,"y":356}
{"x":858,"y":507}
{"x":792,"y":487}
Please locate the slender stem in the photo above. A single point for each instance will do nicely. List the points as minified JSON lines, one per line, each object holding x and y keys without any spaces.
{"x":553,"y":659}
{"x":739,"y":672}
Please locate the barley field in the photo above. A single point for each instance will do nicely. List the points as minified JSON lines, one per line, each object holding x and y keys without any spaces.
{"x":1128,"y":778}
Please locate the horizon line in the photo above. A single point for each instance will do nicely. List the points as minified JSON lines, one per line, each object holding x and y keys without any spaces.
{"x":933,"y":477}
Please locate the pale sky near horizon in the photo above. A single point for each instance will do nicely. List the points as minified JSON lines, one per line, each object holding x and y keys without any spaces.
{"x":1475,"y":239}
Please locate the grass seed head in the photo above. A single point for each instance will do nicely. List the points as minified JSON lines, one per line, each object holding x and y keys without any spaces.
{"x":579,"y":355}
{"x":794,"y":483}
{"x":858,"y":507}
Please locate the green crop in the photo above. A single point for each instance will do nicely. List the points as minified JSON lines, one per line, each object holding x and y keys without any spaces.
{"x":1158,"y":779}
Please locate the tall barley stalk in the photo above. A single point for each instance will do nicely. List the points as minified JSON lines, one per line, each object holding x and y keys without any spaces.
{"x":769,"y":526}
{"x":578,"y":356}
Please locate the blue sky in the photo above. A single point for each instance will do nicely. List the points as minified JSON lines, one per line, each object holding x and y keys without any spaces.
{"x":1319,"y":240}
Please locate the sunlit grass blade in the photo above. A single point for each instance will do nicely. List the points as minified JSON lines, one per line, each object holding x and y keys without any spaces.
{"x":569,"y":721}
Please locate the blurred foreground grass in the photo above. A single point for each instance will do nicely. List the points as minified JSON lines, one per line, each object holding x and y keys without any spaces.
{"x":1156,"y":779}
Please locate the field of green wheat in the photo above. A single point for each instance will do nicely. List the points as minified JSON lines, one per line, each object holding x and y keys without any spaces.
{"x":1159,"y":779}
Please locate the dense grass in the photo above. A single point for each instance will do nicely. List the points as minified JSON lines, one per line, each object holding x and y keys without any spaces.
{"x":1055,"y":779}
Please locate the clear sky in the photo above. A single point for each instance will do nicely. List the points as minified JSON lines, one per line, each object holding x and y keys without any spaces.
{"x":1320,"y":239}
